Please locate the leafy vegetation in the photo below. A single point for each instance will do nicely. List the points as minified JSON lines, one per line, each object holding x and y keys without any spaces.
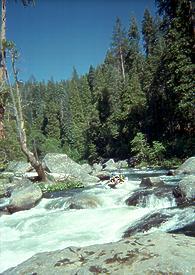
{"x":59,"y":186}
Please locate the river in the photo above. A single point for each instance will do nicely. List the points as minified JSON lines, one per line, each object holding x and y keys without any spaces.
{"x":52,"y":225}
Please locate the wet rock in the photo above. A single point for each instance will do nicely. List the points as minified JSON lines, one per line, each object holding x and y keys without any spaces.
{"x":188,"y":167}
{"x":146,"y":223}
{"x":140,"y":196}
{"x":103,"y":175}
{"x":83,"y":201}
{"x":137,"y":196}
{"x":188,"y":230}
{"x":24,"y":197}
{"x":151,"y":182}
{"x":155,"y":253}
{"x":178,"y":195}
{"x":62,"y":164}
{"x":171,"y":173}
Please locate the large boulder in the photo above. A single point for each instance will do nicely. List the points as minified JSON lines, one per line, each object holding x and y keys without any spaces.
{"x":188,"y":167}
{"x":156,"y":253}
{"x":24,"y":197}
{"x":110,"y":165}
{"x":187,"y":187}
{"x":185,"y":193}
{"x":62,"y":164}
{"x":151,"y":182}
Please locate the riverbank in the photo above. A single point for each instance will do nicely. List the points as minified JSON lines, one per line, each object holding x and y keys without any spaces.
{"x":155,"y":253}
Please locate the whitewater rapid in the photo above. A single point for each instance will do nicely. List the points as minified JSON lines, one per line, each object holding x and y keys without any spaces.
{"x":51,"y":225}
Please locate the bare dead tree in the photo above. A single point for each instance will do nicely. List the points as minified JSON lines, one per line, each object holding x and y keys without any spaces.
{"x":17,"y":105}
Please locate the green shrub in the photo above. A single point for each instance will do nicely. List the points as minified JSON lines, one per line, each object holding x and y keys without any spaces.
{"x":59,"y":186}
{"x":146,"y":154}
{"x":139,"y":147}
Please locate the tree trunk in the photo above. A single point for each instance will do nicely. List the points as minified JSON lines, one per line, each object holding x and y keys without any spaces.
{"x":2,"y":130}
{"x":16,"y":99}
{"x":122,"y":64}
{"x":2,"y":65}
{"x":3,"y":40}
{"x":22,"y":134}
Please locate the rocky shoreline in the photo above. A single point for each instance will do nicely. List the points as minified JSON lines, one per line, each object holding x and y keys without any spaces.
{"x":155,"y":253}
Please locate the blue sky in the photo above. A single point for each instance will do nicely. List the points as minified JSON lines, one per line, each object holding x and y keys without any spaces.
{"x":56,"y":35}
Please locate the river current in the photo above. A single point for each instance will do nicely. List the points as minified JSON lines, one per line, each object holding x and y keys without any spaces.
{"x":52,"y":225}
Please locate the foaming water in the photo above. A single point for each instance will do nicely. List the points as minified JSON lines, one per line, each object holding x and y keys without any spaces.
{"x":154,"y":202}
{"x":52,"y":225}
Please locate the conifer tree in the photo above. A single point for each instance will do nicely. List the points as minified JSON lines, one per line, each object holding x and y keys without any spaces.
{"x":148,"y":31}
{"x":119,"y":46}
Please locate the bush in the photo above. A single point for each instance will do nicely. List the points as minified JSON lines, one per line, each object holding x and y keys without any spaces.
{"x":59,"y":186}
{"x":139,"y":147}
{"x":146,"y":154}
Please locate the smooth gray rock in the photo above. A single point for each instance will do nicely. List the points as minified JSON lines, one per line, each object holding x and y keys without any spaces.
{"x":151,"y":182}
{"x":188,"y":167}
{"x":97,"y":167}
{"x":62,"y":164}
{"x":110,"y":165}
{"x":24,"y":197}
{"x":88,"y":169}
{"x":187,"y":187}
{"x":155,"y":253}
{"x":19,"y":167}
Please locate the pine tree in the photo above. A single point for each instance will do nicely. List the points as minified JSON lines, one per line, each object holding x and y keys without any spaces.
{"x":148,"y":31}
{"x":119,"y":46}
{"x":133,"y":56}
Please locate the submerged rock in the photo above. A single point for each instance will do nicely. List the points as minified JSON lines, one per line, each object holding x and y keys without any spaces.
{"x":146,"y":223}
{"x":83,"y":201}
{"x":24,"y":197}
{"x":188,"y":167}
{"x":188,"y":230}
{"x":156,"y":253}
{"x":140,"y":197}
{"x":151,"y":182}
